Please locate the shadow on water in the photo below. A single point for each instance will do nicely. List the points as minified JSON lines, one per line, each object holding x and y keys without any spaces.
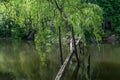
{"x":105,"y":62}
{"x":106,"y":71}
{"x":6,"y":76}
{"x":75,"y":73}
{"x":19,"y":60}
{"x":72,"y":72}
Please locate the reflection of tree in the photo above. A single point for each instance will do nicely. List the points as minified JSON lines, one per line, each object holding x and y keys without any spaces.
{"x":19,"y":59}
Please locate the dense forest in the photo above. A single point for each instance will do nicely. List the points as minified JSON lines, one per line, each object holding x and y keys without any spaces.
{"x":111,"y":11}
{"x":30,"y":29}
{"x":30,"y":19}
{"x":37,"y":19}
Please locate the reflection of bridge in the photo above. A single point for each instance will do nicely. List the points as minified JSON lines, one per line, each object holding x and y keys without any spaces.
{"x":65,"y":64}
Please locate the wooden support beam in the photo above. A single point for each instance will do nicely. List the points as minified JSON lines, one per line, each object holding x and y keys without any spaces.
{"x":60,"y":45}
{"x":63,"y":68}
{"x":75,"y":46}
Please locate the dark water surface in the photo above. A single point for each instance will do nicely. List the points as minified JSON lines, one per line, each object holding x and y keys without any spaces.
{"x":19,"y":60}
{"x":105,"y":62}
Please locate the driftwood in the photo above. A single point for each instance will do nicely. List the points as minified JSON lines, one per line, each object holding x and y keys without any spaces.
{"x":66,"y":63}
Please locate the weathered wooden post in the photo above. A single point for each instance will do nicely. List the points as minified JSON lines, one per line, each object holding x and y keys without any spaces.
{"x":60,"y":46}
{"x":73,"y":37}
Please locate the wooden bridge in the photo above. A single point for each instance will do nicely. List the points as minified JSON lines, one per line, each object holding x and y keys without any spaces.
{"x":65,"y":64}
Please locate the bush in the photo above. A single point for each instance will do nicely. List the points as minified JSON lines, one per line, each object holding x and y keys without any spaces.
{"x":111,"y":13}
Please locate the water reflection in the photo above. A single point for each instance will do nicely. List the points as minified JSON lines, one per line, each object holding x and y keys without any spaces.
{"x":19,"y":60}
{"x":105,"y":62}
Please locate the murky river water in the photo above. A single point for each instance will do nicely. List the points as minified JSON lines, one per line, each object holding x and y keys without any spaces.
{"x":105,"y":62}
{"x":19,"y":60}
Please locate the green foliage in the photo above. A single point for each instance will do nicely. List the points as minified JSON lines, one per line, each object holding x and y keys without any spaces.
{"x":82,"y":16}
{"x":87,"y":18}
{"x":19,"y":17}
{"x":111,"y":13}
{"x":48,"y":15}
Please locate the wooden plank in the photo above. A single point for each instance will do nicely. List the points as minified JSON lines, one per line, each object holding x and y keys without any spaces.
{"x":63,"y":67}
{"x":75,"y":46}
{"x":66,"y":62}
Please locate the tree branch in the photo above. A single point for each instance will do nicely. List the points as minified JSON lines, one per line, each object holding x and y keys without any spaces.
{"x":58,"y":6}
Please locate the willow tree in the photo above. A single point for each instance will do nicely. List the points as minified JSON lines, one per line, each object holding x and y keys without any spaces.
{"x":83,"y":17}
{"x":44,"y":16}
{"x":65,"y":13}
{"x":18,"y":15}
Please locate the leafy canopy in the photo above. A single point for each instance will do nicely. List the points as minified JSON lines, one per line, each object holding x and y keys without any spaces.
{"x":20,"y":17}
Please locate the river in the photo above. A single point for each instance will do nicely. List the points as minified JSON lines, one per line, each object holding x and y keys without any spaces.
{"x":105,"y":62}
{"x":19,"y":60}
